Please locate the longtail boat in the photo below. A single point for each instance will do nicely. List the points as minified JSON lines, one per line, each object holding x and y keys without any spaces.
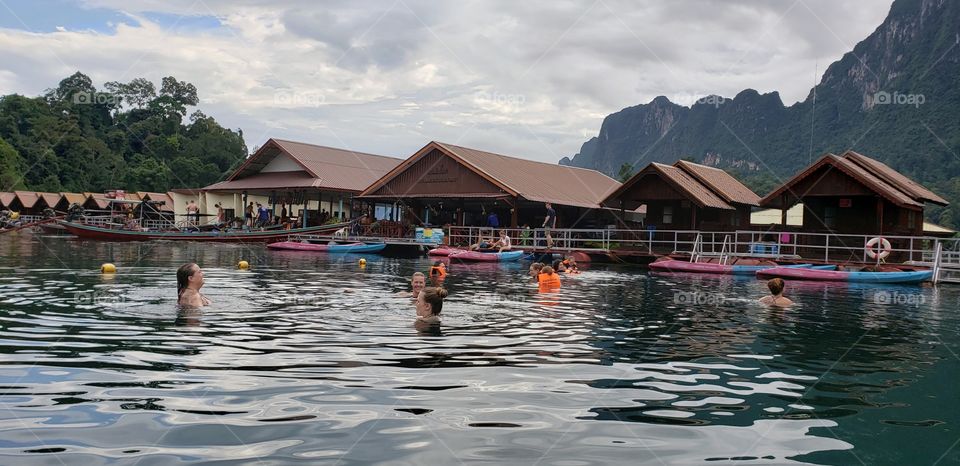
{"x":903,"y":276}
{"x":224,"y":236}
{"x":343,"y":248}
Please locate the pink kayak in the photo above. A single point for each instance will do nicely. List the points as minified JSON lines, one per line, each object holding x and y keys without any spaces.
{"x":672,"y":265}
{"x":913,"y":276}
{"x":444,"y":251}
{"x":478,"y":256}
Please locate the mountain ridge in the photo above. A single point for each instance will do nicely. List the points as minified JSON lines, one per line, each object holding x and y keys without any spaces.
{"x":893,"y":97}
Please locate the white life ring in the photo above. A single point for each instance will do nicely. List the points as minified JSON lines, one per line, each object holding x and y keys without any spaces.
{"x":883,"y":251}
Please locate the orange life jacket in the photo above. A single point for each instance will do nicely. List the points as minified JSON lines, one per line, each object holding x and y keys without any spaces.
{"x":439,"y":271}
{"x":548,"y":281}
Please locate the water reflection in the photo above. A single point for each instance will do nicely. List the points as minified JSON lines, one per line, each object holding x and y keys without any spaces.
{"x":315,"y":358}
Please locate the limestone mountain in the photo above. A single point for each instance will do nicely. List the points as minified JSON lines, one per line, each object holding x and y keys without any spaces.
{"x":894,"y":97}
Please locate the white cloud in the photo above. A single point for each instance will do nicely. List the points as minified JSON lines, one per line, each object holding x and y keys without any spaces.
{"x":525,"y":78}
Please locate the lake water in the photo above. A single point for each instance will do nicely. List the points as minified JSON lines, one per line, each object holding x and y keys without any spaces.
{"x":312,"y":359}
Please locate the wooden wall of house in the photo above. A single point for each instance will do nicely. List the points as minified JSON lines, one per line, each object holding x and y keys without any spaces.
{"x":858,"y":215}
{"x":437,"y":174}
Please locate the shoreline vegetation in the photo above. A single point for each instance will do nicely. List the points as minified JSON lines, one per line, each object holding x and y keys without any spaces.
{"x":132,"y":136}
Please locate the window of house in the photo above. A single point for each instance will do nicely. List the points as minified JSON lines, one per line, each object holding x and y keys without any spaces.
{"x":911,"y":219}
{"x":830,"y":217}
{"x":667,"y":214}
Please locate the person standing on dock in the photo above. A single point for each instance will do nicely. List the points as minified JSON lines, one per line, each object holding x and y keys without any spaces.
{"x":248,"y":215}
{"x":549,"y":223}
{"x":193,"y":212}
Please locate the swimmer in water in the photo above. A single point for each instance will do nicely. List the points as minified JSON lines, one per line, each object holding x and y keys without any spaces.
{"x":558,"y":266}
{"x":548,"y":280}
{"x":417,"y":282}
{"x":189,"y":282}
{"x":438,"y":272}
{"x":429,"y":304}
{"x":535,"y":269}
{"x":776,"y":297}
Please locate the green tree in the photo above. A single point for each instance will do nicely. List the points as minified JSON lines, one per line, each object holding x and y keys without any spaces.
{"x":11,"y":172}
{"x":625,"y":173}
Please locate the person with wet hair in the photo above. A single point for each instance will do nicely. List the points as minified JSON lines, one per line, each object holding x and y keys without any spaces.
{"x":430,"y":303}
{"x":535,"y":269}
{"x":417,"y":282}
{"x":776,"y":297}
{"x":189,"y":282}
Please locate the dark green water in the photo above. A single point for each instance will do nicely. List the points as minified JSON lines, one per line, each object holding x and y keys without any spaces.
{"x":312,"y":359}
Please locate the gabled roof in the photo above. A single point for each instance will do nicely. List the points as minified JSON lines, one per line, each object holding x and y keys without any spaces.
{"x":335,"y":169}
{"x":7,"y":198}
{"x":682,"y":181}
{"x":720,"y":182}
{"x":895,"y":178}
{"x":74,"y":198}
{"x":164,"y":197}
{"x":855,"y":171}
{"x":101,"y":200}
{"x":52,"y":199}
{"x":27,"y":198}
{"x":528,"y":179}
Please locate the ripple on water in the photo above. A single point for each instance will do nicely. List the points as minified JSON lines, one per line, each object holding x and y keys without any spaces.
{"x":314,"y":359}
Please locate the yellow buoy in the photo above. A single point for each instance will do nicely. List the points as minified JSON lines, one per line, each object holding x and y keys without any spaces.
{"x":363,"y":262}
{"x":108,"y":268}
{"x":243,"y":265}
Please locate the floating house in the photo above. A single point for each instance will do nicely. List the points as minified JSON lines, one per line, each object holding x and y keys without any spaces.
{"x":854,"y":194}
{"x":448,"y":184}
{"x":307,"y":180}
{"x":686,"y":196}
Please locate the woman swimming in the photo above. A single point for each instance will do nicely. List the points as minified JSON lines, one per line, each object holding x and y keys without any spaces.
{"x":429,"y":304}
{"x":535,"y":269}
{"x":776,"y":297}
{"x":189,"y":282}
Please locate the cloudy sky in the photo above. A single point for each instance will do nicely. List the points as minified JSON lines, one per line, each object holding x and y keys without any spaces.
{"x":532,"y":79}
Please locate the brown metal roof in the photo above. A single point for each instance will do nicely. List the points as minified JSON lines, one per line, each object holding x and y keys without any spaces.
{"x":538,"y":181}
{"x":52,"y":199}
{"x":74,"y":198}
{"x":682,"y":181}
{"x":334,"y":169}
{"x":720,"y":182}
{"x":164,"y":197}
{"x":850,"y":168}
{"x":697,"y":191}
{"x":7,"y":198}
{"x":270,"y":180}
{"x":27,"y":198}
{"x":101,"y":200}
{"x":895,"y":178}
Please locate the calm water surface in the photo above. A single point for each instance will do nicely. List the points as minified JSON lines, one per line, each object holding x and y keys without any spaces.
{"x":312,"y":359}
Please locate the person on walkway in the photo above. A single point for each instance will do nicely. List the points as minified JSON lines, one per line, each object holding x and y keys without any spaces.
{"x":493,"y":221}
{"x":549,"y":223}
{"x":189,"y":282}
{"x":263,"y":215}
{"x":776,"y":297}
{"x":248,"y":215}
{"x":193,"y":212}
{"x":221,"y":217}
